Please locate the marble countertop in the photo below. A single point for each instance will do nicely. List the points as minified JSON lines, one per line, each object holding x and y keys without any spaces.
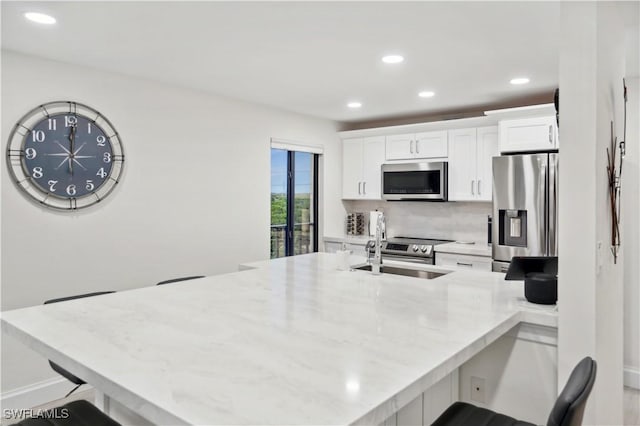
{"x":289,"y":341}
{"x":475,"y":249}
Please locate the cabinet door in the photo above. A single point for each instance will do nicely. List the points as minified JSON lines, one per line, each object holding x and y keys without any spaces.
{"x":462,"y":165}
{"x":411,"y":414}
{"x":399,"y":147}
{"x":352,"y":168}
{"x":439,"y":397}
{"x":487,"y":148}
{"x":373,"y":149}
{"x":332,"y":246}
{"x":430,"y":145}
{"x":463,"y":261}
{"x":528,"y":134}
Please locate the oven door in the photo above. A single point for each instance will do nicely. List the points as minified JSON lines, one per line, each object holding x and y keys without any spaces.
{"x":415,"y":181}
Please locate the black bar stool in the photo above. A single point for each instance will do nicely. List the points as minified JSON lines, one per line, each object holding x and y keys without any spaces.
{"x":76,"y":413}
{"x":567,"y":411}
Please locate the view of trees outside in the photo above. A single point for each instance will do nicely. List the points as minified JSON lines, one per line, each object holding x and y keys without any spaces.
{"x":303,"y":200}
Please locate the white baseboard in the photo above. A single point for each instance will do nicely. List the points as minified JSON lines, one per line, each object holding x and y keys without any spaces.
{"x":632,"y":377}
{"x":37,"y":394}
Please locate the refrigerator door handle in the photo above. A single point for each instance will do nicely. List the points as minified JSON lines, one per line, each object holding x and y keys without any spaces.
{"x":544,"y":177}
{"x":552,"y":206}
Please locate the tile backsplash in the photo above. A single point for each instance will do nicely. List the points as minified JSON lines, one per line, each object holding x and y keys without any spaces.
{"x":460,"y":221}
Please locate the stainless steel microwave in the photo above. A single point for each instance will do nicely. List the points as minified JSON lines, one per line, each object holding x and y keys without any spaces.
{"x":415,"y":181}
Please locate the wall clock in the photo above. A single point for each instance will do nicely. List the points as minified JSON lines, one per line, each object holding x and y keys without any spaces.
{"x":65,"y":155}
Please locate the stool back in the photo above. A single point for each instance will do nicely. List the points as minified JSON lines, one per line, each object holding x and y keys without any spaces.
{"x":569,"y":407}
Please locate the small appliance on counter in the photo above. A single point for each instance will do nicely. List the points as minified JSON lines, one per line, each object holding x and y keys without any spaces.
{"x":355,"y":223}
{"x":540,"y":275}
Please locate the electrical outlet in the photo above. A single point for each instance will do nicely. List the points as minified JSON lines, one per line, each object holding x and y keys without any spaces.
{"x":478,"y":390}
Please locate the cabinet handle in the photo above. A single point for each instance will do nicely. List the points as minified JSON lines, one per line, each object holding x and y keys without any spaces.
{"x":364,"y":188}
{"x":472,"y":191}
{"x":411,"y":147}
{"x":479,"y":181}
{"x":464,"y":264}
{"x":550,"y":133}
{"x":417,"y":147}
{"x":359,"y":188}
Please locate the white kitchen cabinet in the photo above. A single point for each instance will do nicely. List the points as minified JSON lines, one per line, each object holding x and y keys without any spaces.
{"x":361,"y":162}
{"x":470,"y":157}
{"x":529,"y":134}
{"x":486,"y":149}
{"x":355,"y":247}
{"x":417,"y":146}
{"x":411,"y":414}
{"x":439,"y":397}
{"x":480,"y":263}
{"x":428,"y":406}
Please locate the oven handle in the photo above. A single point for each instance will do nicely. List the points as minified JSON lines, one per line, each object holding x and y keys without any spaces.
{"x":409,"y":259}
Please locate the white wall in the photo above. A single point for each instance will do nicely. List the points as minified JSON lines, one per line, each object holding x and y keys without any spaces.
{"x":194,"y":198}
{"x":631,"y":236}
{"x":460,"y":221}
{"x":590,"y":296}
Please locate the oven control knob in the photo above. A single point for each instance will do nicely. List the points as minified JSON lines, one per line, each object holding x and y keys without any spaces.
{"x":424,"y":248}
{"x":415,"y":248}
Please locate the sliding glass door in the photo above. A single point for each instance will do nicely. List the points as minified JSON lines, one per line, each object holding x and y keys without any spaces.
{"x":294,"y":202}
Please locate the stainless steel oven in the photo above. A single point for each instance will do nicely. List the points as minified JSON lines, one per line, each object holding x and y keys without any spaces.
{"x":415,"y":181}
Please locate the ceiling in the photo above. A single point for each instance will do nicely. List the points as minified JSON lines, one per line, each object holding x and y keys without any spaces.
{"x":309,"y":57}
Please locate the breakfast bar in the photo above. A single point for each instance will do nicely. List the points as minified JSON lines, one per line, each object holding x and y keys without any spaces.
{"x":286,"y":341}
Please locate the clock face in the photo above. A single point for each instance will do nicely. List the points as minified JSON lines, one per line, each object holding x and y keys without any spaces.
{"x":69,"y":156}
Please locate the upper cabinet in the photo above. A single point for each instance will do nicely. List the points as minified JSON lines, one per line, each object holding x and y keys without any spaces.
{"x":470,"y":158}
{"x":417,"y":146}
{"x":362,"y":159}
{"x":529,"y":134}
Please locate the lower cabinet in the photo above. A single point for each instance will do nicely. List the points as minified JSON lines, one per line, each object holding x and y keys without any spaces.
{"x":515,"y":375}
{"x":427,"y":407}
{"x":463,"y":261}
{"x":334,"y":246}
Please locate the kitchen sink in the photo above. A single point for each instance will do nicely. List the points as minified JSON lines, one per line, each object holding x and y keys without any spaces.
{"x":385,"y":269}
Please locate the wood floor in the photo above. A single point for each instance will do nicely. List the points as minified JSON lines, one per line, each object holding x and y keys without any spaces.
{"x":631,"y":405}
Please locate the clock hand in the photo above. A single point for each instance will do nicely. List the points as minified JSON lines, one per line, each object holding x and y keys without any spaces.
{"x":72,"y":137}
{"x":84,"y":156}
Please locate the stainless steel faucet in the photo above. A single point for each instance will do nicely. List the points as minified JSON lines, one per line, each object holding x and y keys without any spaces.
{"x":377,"y":256}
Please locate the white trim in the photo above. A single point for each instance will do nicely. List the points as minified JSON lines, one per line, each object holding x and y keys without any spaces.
{"x":38,"y":393}
{"x":296,"y":146}
{"x":632,"y":377}
{"x":431,"y":126}
{"x":529,"y":108}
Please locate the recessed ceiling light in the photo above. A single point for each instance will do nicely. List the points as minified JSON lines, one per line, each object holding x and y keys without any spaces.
{"x":426,"y":94}
{"x":392,"y":59}
{"x":519,"y":80}
{"x":40,"y":18}
{"x":354,"y":105}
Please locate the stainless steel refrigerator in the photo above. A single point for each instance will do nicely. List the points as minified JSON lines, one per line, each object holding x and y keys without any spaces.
{"x":525,"y":214}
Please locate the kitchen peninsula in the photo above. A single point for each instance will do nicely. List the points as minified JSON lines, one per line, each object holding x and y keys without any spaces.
{"x":287,"y":341}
